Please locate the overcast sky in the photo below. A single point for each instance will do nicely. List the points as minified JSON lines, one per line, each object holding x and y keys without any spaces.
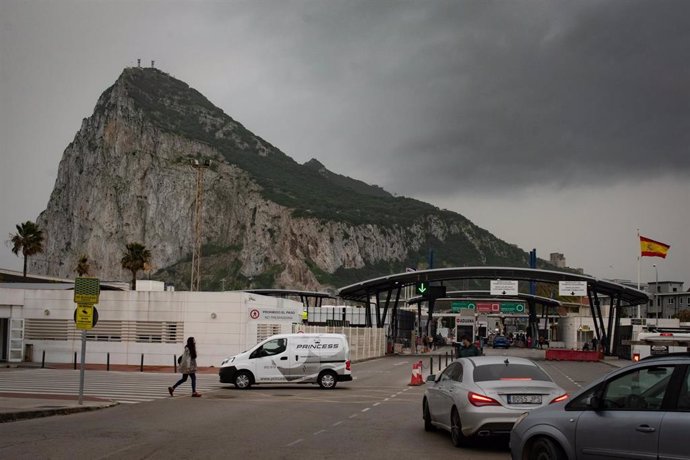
{"x":557,"y":125}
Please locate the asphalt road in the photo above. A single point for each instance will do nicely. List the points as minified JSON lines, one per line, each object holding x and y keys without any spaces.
{"x":376,"y":416}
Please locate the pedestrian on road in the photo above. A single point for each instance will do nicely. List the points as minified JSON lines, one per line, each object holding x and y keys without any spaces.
{"x":467,"y":348}
{"x":187,"y":363}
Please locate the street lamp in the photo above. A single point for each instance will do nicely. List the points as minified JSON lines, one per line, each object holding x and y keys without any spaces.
{"x":656,"y":289}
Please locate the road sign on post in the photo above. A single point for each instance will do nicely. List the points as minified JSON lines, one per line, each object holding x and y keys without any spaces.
{"x":85,"y":316}
{"x":87,"y":290}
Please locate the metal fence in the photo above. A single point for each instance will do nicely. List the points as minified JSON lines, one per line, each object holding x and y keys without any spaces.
{"x":365,"y":342}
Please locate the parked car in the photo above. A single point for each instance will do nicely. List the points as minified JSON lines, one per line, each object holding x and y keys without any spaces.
{"x":501,"y":341}
{"x":640,"y":411}
{"x":483,"y":396}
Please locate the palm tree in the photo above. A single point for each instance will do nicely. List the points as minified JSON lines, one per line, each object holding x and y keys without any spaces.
{"x":83,"y":266}
{"x":136,"y":257}
{"x":28,"y":239}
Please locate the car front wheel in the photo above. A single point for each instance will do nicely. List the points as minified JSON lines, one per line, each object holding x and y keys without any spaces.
{"x":428,"y":426}
{"x":545,"y":449}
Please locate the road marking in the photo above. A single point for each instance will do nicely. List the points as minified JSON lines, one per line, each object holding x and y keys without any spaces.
{"x":353,"y":416}
{"x":366,"y":409}
{"x":386,"y":399}
{"x":319,"y":432}
{"x":400,"y":364}
{"x":376,"y":404}
{"x":293,"y":443}
{"x":567,"y":377}
{"x":337,"y":423}
{"x":393,"y":396}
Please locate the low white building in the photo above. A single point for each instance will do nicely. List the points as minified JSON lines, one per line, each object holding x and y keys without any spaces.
{"x":130,"y":324}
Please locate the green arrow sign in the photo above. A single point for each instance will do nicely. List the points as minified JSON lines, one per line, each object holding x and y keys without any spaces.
{"x":421,"y":288}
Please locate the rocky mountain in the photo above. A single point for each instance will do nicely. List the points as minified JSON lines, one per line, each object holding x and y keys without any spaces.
{"x":268,"y":221}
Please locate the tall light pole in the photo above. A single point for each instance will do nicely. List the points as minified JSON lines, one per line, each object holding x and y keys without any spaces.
{"x":656,"y":289}
{"x":198,"y":220}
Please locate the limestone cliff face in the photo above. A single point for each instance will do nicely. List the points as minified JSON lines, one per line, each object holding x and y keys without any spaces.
{"x":126,"y":177}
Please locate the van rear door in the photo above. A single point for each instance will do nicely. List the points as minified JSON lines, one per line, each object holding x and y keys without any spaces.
{"x":304,"y":358}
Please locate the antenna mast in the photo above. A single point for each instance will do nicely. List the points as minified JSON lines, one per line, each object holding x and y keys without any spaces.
{"x":198,"y":221}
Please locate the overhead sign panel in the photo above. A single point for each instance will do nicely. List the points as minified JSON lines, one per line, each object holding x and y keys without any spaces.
{"x":486,"y":307}
{"x":430,"y":292}
{"x":512,"y":307}
{"x":504,"y":287}
{"x":572,"y":288}
{"x":456,"y":306}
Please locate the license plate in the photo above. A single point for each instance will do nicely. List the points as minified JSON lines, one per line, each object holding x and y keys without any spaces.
{"x":524,"y":399}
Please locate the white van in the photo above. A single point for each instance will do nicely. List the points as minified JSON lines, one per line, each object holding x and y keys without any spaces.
{"x":291,"y":358}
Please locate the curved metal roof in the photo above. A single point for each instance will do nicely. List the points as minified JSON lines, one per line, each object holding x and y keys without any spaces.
{"x":289,"y":292}
{"x":487,"y":294}
{"x":361,"y":291}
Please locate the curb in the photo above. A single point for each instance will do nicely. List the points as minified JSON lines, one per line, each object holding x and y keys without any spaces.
{"x":29,"y":414}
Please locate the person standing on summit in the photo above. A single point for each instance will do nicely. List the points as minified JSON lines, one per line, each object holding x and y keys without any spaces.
{"x":187,"y":363}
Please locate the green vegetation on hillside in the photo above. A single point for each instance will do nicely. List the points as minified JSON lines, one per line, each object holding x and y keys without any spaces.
{"x":309,"y":190}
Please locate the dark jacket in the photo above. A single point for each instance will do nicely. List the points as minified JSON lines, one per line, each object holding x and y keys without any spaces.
{"x":465,"y":351}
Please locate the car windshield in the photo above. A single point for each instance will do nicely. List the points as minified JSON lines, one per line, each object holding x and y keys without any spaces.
{"x":503,"y":371}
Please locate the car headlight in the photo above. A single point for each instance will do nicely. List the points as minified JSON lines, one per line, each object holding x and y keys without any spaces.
{"x":520,"y":419}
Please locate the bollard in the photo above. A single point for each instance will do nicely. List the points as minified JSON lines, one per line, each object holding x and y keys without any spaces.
{"x":439,"y":363}
{"x":75,"y":360}
{"x":446,"y":359}
{"x":175,"y":364}
{"x":431,"y":364}
{"x":107,"y":363}
{"x":43,"y":360}
{"x":141,"y":369}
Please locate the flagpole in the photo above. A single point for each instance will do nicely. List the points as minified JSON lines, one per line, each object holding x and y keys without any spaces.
{"x":638,"y":272}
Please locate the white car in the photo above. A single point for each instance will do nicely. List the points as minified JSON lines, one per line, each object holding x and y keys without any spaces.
{"x":484,"y":395}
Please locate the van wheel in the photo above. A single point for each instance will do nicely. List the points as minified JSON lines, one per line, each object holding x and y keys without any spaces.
{"x":327,"y":380}
{"x":243,"y":380}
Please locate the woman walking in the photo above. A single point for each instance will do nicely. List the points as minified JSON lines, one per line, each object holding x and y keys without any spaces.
{"x":187,"y":367}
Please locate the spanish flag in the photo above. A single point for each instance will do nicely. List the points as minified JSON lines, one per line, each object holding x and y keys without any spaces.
{"x":651,"y":248}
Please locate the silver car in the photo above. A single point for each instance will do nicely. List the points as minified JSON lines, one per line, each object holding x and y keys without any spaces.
{"x":484,"y":395}
{"x":638,"y":412}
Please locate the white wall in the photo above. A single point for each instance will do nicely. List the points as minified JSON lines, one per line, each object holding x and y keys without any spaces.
{"x":219,"y":321}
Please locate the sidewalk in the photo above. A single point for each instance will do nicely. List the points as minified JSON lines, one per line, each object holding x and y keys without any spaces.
{"x":23,"y":406}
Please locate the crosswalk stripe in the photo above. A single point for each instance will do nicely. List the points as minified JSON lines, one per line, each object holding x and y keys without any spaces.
{"x":123,"y":387}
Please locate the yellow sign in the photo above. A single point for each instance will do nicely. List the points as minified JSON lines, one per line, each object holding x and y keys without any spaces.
{"x":87,"y":290}
{"x":83,"y":316}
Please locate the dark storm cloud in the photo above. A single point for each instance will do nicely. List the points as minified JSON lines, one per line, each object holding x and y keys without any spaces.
{"x":519,"y":93}
{"x":601,"y":95}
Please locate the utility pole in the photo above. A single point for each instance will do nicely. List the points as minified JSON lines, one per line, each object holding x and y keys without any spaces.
{"x":200,"y":167}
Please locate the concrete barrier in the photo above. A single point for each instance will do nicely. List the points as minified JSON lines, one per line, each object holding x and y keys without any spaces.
{"x":573,"y":355}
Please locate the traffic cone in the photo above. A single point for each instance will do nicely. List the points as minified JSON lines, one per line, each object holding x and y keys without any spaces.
{"x":416,"y":378}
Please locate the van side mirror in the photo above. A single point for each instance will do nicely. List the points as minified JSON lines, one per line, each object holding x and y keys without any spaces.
{"x":431,"y":378}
